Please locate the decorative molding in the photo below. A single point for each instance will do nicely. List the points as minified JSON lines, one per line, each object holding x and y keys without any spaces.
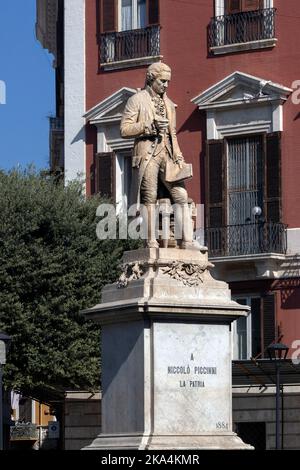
{"x":99,"y":114}
{"x":264,"y":90}
{"x":124,"y":64}
{"x":260,"y":266}
{"x":243,"y":104}
{"x":106,"y":116}
{"x":189,"y":274}
{"x":131,"y":272}
{"x":245,"y":46}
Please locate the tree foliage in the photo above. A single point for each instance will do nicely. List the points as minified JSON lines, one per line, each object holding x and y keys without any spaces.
{"x":51,"y":266}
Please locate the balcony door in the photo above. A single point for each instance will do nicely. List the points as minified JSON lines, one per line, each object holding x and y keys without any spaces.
{"x":243,"y":21}
{"x":237,"y":6}
{"x":244,"y":178}
{"x":129,"y":30}
{"x":244,"y":192}
{"x":241,"y":173}
{"x":133,"y":14}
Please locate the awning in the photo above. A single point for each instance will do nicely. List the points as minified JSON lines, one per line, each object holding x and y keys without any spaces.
{"x":262,"y":372}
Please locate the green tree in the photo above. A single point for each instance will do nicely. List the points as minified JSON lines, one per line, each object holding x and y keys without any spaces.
{"x":51,"y":266}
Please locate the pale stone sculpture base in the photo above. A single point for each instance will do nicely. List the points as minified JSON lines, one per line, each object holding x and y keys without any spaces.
{"x":166,"y":354}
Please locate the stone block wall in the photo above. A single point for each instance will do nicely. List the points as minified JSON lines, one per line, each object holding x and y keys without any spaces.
{"x":82,"y":419}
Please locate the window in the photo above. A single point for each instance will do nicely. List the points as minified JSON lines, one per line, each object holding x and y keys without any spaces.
{"x":133,"y":14}
{"x":113,"y":177}
{"x":247,"y":330}
{"x":238,"y":23}
{"x":244,"y":178}
{"x":237,"y":6}
{"x":129,"y":30}
{"x":243,"y":173}
{"x":254,"y":333}
{"x":123,"y":180}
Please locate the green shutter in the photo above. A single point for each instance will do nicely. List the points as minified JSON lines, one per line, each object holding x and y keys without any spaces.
{"x":272,"y":190}
{"x":105,"y":174}
{"x":215,"y":184}
{"x":153,"y":12}
{"x":108,"y":16}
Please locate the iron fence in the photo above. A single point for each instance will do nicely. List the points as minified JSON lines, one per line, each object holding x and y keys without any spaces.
{"x":247,"y":239}
{"x":246,"y":26}
{"x":133,"y":44}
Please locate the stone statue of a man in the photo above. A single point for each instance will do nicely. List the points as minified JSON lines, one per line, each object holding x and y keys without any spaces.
{"x":150,"y":118}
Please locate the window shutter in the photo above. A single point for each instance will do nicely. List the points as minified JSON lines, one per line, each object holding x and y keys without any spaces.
{"x":272,"y":193}
{"x":236,"y":6}
{"x":215,"y":184}
{"x":108,"y":16}
{"x":153,"y":12}
{"x":105,"y":174}
{"x":269,"y":323}
{"x":251,"y":5}
{"x":232,"y":6}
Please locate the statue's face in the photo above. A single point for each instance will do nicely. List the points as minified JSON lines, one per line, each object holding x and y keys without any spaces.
{"x":161,"y":83}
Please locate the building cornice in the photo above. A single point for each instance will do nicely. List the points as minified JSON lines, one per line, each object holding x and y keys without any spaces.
{"x":257,"y":91}
{"x":46,"y":24}
{"x":103,"y":112}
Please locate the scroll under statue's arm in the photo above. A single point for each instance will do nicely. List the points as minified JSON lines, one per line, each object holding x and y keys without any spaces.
{"x":131,"y":125}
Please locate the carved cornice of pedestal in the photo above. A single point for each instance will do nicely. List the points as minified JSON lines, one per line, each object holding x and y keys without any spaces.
{"x":131,"y":272}
{"x":185,"y":270}
{"x":191,"y":274}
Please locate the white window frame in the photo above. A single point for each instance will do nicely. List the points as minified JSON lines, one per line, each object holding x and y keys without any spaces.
{"x":235,"y":351}
{"x":120,"y":197}
{"x":134,"y":14}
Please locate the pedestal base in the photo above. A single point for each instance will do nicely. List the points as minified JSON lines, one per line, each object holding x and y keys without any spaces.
{"x":166,"y":354}
{"x":228,"y":441}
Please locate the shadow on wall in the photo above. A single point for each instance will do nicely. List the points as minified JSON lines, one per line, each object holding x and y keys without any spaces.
{"x":290,"y":287}
{"x":196,"y":122}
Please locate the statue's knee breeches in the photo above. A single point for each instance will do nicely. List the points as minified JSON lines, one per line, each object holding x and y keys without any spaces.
{"x":179,"y":194}
{"x":148,"y":196}
{"x":149,"y":184}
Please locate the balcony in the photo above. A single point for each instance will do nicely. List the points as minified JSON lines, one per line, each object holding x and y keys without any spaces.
{"x":56,"y":143}
{"x":248,"y":239}
{"x":56,"y":124}
{"x":247,"y":252}
{"x":242,"y":31}
{"x":130,"y":48}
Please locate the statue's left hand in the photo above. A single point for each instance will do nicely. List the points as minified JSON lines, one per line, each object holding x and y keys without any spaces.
{"x":179,"y":160}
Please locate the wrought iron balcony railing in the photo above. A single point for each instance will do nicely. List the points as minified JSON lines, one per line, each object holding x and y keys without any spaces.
{"x":133,"y":44}
{"x":248,"y":239}
{"x":56,"y":124}
{"x":56,"y":143}
{"x":247,"y":26}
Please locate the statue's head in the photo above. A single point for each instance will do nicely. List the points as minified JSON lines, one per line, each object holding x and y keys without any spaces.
{"x":158,"y":77}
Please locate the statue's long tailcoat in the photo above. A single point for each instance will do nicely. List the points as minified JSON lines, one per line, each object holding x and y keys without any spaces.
{"x":140,"y":110}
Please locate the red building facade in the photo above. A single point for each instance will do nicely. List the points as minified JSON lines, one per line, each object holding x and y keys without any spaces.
{"x":254,"y":43}
{"x":234,"y":78}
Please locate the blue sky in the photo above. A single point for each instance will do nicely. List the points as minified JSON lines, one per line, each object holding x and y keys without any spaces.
{"x":26,"y":69}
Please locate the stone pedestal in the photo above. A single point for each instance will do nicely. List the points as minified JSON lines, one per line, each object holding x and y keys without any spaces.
{"x":166,"y":354}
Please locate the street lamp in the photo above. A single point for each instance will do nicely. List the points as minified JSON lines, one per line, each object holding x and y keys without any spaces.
{"x":256,"y":211}
{"x":4,"y":345}
{"x":277,"y":353}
